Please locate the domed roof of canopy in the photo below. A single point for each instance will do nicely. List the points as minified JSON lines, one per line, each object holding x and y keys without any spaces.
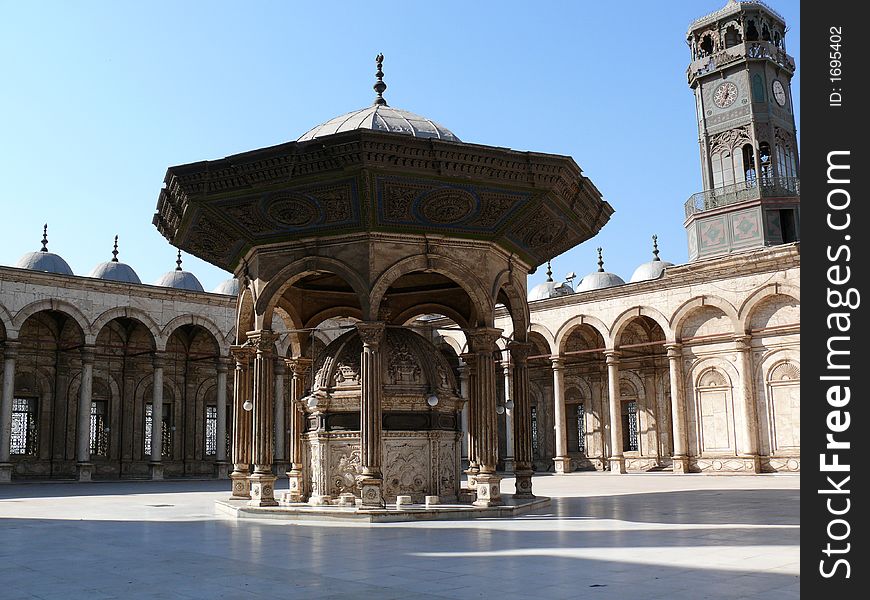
{"x":228,"y":287}
{"x":381,"y":117}
{"x":652,"y":269}
{"x":180,"y":279}
{"x":550,"y":288}
{"x":413,"y":369}
{"x":114,"y":270}
{"x":599,"y":279}
{"x":44,"y":260}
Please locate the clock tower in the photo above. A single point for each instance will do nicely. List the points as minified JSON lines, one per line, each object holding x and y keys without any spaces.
{"x":741,"y":76}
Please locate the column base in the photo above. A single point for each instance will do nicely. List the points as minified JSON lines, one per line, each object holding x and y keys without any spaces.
{"x":471,"y":476}
{"x":681,"y":464}
{"x":319,"y":500}
{"x":297,"y":486}
{"x":751,"y":462}
{"x":241,"y":486}
{"x":5,"y":472}
{"x":523,"y":486}
{"x":263,"y":490}
{"x":156,"y":471}
{"x":488,"y":490}
{"x":370,"y":492}
{"x":617,"y":465}
{"x":222,"y":470}
{"x":84,"y":471}
{"x":562,"y":465}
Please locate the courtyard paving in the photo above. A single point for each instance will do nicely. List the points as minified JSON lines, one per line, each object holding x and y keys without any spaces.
{"x":641,"y":536}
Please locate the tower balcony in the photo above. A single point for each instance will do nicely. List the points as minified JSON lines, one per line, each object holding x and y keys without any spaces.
{"x":767,"y":187}
{"x":757,"y":50}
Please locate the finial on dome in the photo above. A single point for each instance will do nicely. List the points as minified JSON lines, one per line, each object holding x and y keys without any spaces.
{"x":115,"y":250}
{"x":549,"y":272}
{"x":44,"y":238}
{"x":656,"y":247}
{"x":178,"y":261}
{"x":380,"y":86}
{"x":600,"y":262}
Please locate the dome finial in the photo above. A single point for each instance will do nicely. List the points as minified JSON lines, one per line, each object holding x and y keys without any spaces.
{"x":549,"y":272}
{"x":115,"y":250}
{"x":380,"y":86}
{"x":44,"y":238}
{"x":600,"y":261}
{"x":178,"y":261}
{"x":656,"y":247}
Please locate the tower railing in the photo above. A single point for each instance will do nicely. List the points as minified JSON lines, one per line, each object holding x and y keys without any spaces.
{"x":746,"y":50}
{"x":766,"y":187}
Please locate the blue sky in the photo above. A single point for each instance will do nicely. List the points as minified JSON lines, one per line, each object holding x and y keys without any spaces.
{"x":99,"y":98}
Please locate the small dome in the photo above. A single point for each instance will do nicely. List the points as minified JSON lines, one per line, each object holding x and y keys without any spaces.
{"x":114,"y":270}
{"x":47,"y":262}
{"x":652,"y":269}
{"x":599,"y":279}
{"x":230,"y":287}
{"x":550,"y":288}
{"x":182,"y":280}
{"x":382,"y":118}
{"x":44,"y":261}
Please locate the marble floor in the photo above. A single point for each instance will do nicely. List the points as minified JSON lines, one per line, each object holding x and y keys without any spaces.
{"x":646,"y":537}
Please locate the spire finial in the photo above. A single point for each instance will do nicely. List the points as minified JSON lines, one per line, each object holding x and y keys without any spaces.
{"x":600,"y":262}
{"x":178,"y":261}
{"x":380,"y":86}
{"x":656,"y":247}
{"x":44,"y":238}
{"x":115,"y":250}
{"x":549,"y":272}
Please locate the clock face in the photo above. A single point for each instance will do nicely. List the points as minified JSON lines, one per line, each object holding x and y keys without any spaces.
{"x":725,"y":95}
{"x":778,"y":92}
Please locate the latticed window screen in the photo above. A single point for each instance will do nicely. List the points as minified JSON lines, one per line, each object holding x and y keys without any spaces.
{"x":210,"y":430}
{"x":99,"y":424}
{"x":535,"y":431}
{"x":166,"y":450}
{"x":581,"y":428}
{"x":24,"y":426}
{"x":630,"y":426}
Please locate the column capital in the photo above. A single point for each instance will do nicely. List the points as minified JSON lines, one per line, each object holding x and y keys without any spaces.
{"x":520,"y":351}
{"x":482,"y":339}
{"x":10,"y":348}
{"x":470,"y":359}
{"x":611,"y":357}
{"x":158,"y":360}
{"x":674,"y":350}
{"x":299,"y":365}
{"x":240,"y":354}
{"x":88,"y":354}
{"x":262,"y":339}
{"x":742,"y":342}
{"x":371,"y":332}
{"x":557,"y":362}
{"x":222,"y":364}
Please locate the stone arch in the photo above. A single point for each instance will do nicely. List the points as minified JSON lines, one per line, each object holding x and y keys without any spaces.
{"x":574,"y":322}
{"x":477,"y":292}
{"x":543,"y":332}
{"x":762,"y":294}
{"x":678,"y":319}
{"x":514,"y":300}
{"x":453,"y":343}
{"x":5,"y":322}
{"x":269,"y":296}
{"x":53,"y":304}
{"x":426,"y":309}
{"x":245,"y":321}
{"x":189,"y":319}
{"x":292,"y":342}
{"x":779,"y":301}
{"x":629,"y":315}
{"x":704,"y":320}
{"x":128,"y":312}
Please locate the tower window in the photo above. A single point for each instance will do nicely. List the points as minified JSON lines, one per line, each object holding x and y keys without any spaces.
{"x":777,"y":40}
{"x":789,"y":227}
{"x":764,"y":159}
{"x":751,"y":31}
{"x":757,"y":88}
{"x":749,"y":163}
{"x":706,"y":45}
{"x":765,"y":33}
{"x":25,"y":427}
{"x":732,"y":36}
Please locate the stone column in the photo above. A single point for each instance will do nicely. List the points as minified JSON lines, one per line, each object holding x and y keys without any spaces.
{"x":84,"y":466}
{"x":155,"y":463}
{"x":748,"y":450}
{"x":471,"y":410}
{"x":263,"y":446}
{"x":678,"y":408}
{"x":561,"y":462}
{"x":482,"y":343}
{"x":508,"y":417}
{"x":463,"y":391}
{"x":371,"y":480}
{"x":617,"y":460}
{"x":242,"y":393}
{"x":296,"y":474}
{"x":221,"y":428}
{"x":522,"y":419}
{"x":10,"y":353}
{"x":280,"y":420}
